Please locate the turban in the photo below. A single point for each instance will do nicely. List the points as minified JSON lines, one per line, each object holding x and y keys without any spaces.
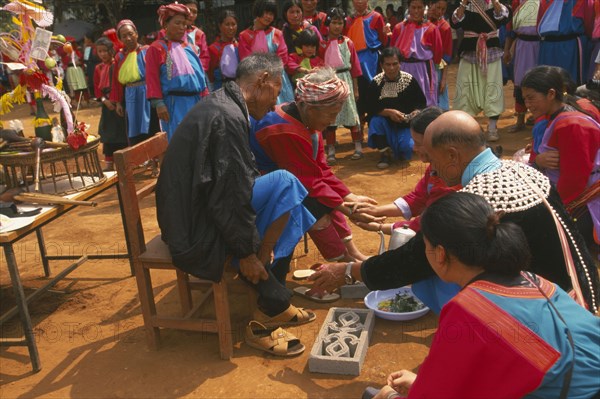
{"x":323,"y":94}
{"x":168,"y":11}
{"x":124,"y":22}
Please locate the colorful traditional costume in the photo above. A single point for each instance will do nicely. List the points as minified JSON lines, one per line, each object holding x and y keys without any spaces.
{"x":402,"y":94}
{"x":112,"y":129}
{"x":291,"y":35}
{"x":175,"y":78}
{"x":366,"y":32}
{"x":129,"y":85}
{"x":479,"y":79}
{"x":428,"y":190}
{"x":446,"y":36}
{"x":501,"y":338}
{"x":506,"y":190}
{"x":420,"y":46}
{"x":269,"y":40}
{"x":318,"y":21}
{"x":341,"y":55}
{"x":296,"y":61}
{"x":577,"y":139}
{"x":218,"y":64}
{"x":560,"y":24}
{"x":282,"y":141}
{"x":197,"y":37}
{"x":211,"y":203}
{"x":74,"y":74}
{"x":592,"y":30}
{"x":523,"y":29}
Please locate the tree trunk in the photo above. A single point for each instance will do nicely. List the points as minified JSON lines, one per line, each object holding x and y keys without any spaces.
{"x":113,"y":9}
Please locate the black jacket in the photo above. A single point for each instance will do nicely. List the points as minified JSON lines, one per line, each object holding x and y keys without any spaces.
{"x":205,"y":186}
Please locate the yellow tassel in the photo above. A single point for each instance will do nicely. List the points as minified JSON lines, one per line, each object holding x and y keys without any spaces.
{"x":17,"y":96}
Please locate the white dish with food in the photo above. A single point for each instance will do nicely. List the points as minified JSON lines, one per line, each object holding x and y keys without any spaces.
{"x":398,"y":304}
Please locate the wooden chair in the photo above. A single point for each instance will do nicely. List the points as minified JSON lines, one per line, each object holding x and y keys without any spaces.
{"x":154,"y":254}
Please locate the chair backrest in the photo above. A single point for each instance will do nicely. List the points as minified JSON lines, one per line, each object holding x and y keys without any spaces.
{"x":128,"y":163}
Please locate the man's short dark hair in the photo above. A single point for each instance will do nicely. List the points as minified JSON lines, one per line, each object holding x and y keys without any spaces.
{"x":389,"y":52}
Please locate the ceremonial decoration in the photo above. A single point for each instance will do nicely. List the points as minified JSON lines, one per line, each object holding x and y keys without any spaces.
{"x":52,"y":165}
{"x":25,"y":45}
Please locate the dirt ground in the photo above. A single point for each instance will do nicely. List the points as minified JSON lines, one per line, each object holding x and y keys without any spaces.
{"x":89,"y":329}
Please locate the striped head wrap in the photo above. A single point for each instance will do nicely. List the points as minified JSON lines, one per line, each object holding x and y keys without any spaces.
{"x":323,"y":94}
{"x":124,"y":22}
{"x":170,"y":10}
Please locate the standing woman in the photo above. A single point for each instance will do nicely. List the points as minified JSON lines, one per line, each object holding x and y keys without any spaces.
{"x":90,"y":60}
{"x":129,"y":85}
{"x":174,"y":73}
{"x":195,"y":35}
{"x":420,"y":46}
{"x":222,"y":68}
{"x":294,"y":25}
{"x":571,"y":137}
{"x":436,"y":12}
{"x":338,"y":52}
{"x":523,"y":36}
{"x":112,"y":129}
{"x":264,"y":38}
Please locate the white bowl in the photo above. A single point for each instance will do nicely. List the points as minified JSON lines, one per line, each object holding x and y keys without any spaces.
{"x":374,"y":297}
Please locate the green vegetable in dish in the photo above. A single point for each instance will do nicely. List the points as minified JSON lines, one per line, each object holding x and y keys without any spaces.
{"x":401,"y":303}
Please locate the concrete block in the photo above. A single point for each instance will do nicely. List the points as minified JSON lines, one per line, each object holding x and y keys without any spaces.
{"x":354,"y":291}
{"x":342,"y":343}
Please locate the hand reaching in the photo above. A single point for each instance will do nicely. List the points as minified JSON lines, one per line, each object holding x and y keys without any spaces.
{"x":328,"y":277}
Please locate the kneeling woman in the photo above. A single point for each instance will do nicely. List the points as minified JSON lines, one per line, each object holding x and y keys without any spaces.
{"x":508,"y":333}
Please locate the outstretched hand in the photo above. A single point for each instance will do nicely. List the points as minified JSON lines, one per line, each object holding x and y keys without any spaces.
{"x":366,"y":218}
{"x":328,"y":277}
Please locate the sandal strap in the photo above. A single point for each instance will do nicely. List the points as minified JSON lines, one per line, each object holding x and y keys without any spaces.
{"x":280,"y":339}
{"x":276,"y":342}
{"x":287,"y":316}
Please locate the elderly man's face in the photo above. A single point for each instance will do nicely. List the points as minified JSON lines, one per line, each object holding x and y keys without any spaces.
{"x":444,"y":160}
{"x":264,"y":96}
{"x":319,"y":118}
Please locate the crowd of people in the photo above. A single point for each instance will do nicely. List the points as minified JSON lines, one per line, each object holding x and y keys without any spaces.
{"x":251,"y":121}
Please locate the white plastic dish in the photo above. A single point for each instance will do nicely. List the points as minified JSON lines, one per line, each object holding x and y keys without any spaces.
{"x":374,"y":297}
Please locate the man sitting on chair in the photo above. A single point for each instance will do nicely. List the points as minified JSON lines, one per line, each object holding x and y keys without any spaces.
{"x":212,"y":203}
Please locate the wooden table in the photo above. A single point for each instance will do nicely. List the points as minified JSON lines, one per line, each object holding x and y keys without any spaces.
{"x":7,"y":239}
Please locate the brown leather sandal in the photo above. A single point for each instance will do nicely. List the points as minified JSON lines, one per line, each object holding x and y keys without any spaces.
{"x":275,"y":341}
{"x":292,"y":316}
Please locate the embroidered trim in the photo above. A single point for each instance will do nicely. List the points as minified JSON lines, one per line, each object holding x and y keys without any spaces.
{"x":532,"y":347}
{"x":516,"y":292}
{"x":505,"y":191}
{"x":392,"y":89}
